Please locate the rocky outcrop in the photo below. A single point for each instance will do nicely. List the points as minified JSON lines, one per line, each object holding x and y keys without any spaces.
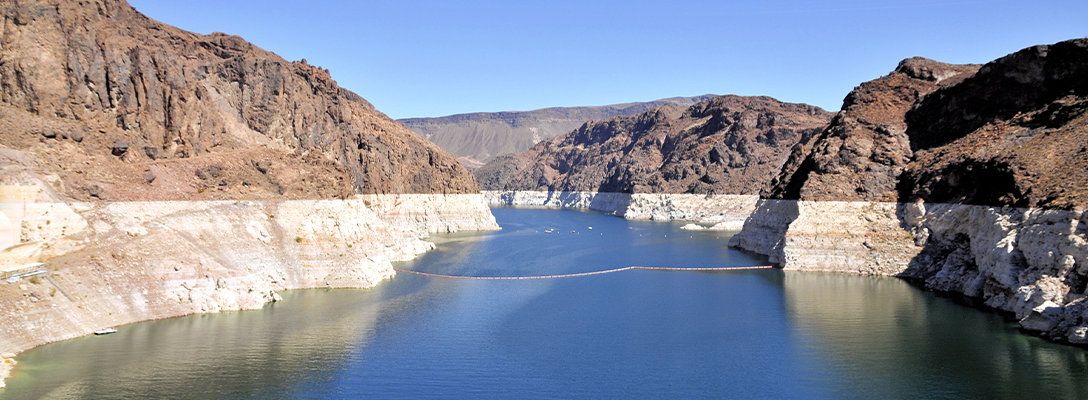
{"x":135,"y":261}
{"x":860,"y":155}
{"x":158,"y":173}
{"x":125,"y":98}
{"x":1014,"y":134}
{"x":969,"y":179}
{"x":725,"y":145}
{"x":1027,"y":261}
{"x":719,"y":212}
{"x":476,"y":138}
{"x":833,"y":236}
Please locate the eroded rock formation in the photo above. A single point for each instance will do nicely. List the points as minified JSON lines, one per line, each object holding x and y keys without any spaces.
{"x":719,"y":212}
{"x":862,"y":152}
{"x":159,"y":173}
{"x":118,"y":86}
{"x":969,"y":178}
{"x":116,"y":263}
{"x":476,"y":138}
{"x":725,"y":145}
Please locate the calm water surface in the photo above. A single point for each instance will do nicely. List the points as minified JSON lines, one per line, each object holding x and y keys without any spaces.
{"x":632,"y":334}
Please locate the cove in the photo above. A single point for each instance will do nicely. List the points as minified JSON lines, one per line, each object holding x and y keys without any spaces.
{"x":629,"y":334}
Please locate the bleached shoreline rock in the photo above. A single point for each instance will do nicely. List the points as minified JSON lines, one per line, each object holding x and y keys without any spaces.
{"x":722,"y":212}
{"x":1030,"y":262}
{"x":140,"y":261}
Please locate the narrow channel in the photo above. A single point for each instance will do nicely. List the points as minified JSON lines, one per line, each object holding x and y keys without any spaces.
{"x":759,"y":333}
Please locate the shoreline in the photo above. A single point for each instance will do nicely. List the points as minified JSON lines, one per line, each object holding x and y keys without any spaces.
{"x":141,"y":261}
{"x":915,"y":242}
{"x":716,"y":212}
{"x":1026,"y":262}
{"x":1019,"y":260}
{"x":7,"y":364}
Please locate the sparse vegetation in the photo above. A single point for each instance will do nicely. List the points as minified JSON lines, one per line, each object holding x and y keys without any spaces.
{"x":298,"y":239}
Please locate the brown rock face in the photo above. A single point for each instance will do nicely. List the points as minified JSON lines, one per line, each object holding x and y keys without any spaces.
{"x":477,"y":138}
{"x":1009,"y":133}
{"x":863,"y":151}
{"x":726,"y":145}
{"x":1014,"y":134}
{"x":117,"y":76}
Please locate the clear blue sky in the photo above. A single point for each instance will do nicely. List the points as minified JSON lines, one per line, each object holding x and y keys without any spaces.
{"x":434,"y":58}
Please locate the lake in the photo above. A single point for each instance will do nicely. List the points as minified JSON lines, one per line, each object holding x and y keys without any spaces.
{"x":631,"y":334}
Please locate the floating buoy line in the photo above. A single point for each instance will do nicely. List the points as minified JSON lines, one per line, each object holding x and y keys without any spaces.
{"x":607,"y":271}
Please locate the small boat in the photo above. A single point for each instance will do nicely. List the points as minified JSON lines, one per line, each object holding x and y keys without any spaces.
{"x":106,"y":331}
{"x":549,"y":231}
{"x":591,"y":228}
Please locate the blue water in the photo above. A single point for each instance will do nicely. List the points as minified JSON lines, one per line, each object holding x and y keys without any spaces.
{"x":630,"y":334}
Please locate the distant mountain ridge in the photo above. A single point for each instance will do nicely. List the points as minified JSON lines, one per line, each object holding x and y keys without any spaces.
{"x":479,"y":137}
{"x":724,"y":145}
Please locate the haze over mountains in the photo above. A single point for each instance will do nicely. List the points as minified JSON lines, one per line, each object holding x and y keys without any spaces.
{"x":478,"y":137}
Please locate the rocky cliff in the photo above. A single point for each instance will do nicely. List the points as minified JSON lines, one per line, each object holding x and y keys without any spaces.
{"x":110,"y":264}
{"x":719,"y":212}
{"x":158,"y":173}
{"x":125,"y":95}
{"x":478,"y":137}
{"x":967,"y":178}
{"x":725,"y":145}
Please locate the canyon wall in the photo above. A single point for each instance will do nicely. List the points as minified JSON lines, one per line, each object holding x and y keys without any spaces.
{"x":967,"y":178}
{"x":1027,"y":261}
{"x":704,"y":163}
{"x":476,"y":138}
{"x":124,"y":90}
{"x":158,"y":172}
{"x":724,"y":145}
{"x":720,"y":212}
{"x":124,"y":262}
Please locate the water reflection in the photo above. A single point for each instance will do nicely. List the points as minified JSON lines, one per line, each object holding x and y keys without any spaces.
{"x":887,"y":339}
{"x":275,"y":350}
{"x":634,"y":334}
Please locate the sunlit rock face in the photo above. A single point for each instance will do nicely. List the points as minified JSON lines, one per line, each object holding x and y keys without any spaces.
{"x":969,"y":178}
{"x":158,"y":172}
{"x":136,"y":261}
{"x":719,"y":212}
{"x":728,"y":145}
{"x":117,"y":88}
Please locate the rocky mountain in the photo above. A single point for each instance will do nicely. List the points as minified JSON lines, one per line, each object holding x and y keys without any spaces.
{"x":118,"y":106}
{"x":971,"y":179}
{"x":276,"y":177}
{"x":865,"y":148}
{"x":724,"y":145}
{"x":1010,"y":133}
{"x":478,"y":137}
